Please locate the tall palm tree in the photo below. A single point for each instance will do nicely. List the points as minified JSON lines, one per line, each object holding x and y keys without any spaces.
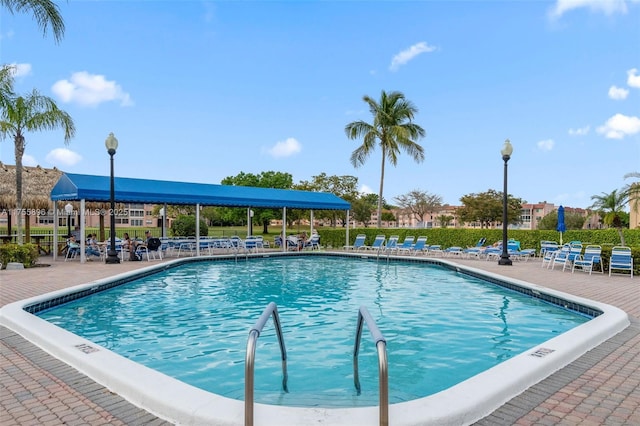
{"x":611,"y":206}
{"x":45,"y":12}
{"x":392,"y":128}
{"x":30,"y":113}
{"x":633,"y":190}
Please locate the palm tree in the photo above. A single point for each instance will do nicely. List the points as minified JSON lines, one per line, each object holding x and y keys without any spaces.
{"x":633,"y":190}
{"x":611,"y":205}
{"x":33,"y":112}
{"x":6,"y":83}
{"x":45,"y":12}
{"x":393,"y":129}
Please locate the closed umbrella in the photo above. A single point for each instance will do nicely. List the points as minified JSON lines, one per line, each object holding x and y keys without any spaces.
{"x":561,"y":226}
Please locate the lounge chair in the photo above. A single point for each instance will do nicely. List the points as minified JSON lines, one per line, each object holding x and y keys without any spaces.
{"x":419,"y":247}
{"x":406,"y":244}
{"x":378,"y":243}
{"x":358,"y":243}
{"x":591,"y":257}
{"x":434,"y":250}
{"x":621,"y":260}
{"x":453,"y":251}
{"x":392,"y":244}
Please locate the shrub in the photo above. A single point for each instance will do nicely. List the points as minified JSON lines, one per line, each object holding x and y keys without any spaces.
{"x":185,"y":226}
{"x":27,"y":254}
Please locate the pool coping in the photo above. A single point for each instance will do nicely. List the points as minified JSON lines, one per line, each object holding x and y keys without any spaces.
{"x":175,"y":401}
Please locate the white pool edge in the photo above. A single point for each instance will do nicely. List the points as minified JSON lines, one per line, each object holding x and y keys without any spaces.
{"x":183,"y":404}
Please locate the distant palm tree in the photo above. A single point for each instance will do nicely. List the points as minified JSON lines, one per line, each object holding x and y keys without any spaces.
{"x":633,"y":190}
{"x":6,"y":83}
{"x":611,"y":205}
{"x":393,"y":129}
{"x":33,"y":112}
{"x":45,"y":12}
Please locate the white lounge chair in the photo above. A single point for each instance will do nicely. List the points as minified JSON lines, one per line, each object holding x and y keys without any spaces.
{"x":621,"y":260}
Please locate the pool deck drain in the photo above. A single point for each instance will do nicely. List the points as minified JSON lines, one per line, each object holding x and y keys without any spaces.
{"x":600,"y":388}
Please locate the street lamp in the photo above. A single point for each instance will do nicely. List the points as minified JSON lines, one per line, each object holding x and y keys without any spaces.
{"x":69,"y":209}
{"x":506,"y":151}
{"x":112,"y":255}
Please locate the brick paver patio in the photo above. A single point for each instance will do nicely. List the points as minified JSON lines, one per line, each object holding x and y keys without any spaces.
{"x":600,"y":388}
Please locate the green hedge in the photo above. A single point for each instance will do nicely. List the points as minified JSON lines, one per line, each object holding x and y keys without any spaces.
{"x":27,"y":254}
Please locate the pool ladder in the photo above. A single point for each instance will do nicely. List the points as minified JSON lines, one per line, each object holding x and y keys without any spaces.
{"x":254,"y":333}
{"x":363,"y":316}
{"x":383,"y":372}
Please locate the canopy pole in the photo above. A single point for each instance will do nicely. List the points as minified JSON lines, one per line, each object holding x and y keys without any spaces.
{"x":54,"y":243}
{"x":284,"y":229}
{"x":83,"y":242}
{"x":346,"y":243}
{"x":198,"y":229}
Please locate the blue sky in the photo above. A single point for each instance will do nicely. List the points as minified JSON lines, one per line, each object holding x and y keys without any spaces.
{"x":197,"y":91}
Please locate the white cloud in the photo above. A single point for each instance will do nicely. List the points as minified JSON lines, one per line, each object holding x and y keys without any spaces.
{"x":285,"y":148}
{"x":546,"y":145}
{"x":410,"y":53}
{"x":63,"y":157}
{"x":618,"y":93}
{"x":633,"y":80}
{"x":90,"y":90}
{"x":619,"y":126}
{"x":364,"y":189}
{"x":20,"y":70}
{"x":580,"y":132}
{"x":28,"y":160}
{"x":608,"y":7}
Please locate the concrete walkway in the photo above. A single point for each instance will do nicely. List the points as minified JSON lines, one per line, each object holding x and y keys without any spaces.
{"x":600,"y":388}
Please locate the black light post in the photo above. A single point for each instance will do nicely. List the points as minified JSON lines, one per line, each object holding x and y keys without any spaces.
{"x":506,"y":151}
{"x":112,"y":255}
{"x":69,"y":209}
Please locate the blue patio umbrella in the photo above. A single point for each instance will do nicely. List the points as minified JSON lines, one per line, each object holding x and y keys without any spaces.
{"x":561,"y":226}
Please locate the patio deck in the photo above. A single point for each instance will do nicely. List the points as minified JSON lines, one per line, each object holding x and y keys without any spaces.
{"x":600,"y":388}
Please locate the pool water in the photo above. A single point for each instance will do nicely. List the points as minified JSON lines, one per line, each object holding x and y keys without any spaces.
{"x":192,"y":322}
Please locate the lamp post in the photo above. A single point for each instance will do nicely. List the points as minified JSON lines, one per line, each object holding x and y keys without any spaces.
{"x":69,"y":209}
{"x":112,"y":255}
{"x":506,"y":152}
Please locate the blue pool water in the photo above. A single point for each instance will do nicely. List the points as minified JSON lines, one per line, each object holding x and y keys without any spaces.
{"x":192,"y":322}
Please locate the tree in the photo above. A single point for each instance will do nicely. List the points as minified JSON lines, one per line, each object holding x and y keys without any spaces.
{"x":633,"y":190}
{"x":611,"y":209}
{"x":362,"y":209}
{"x":345,"y":187}
{"x":393,"y":129}
{"x":263,"y":180}
{"x":31,"y":113}
{"x":45,"y":12}
{"x":419,"y":203}
{"x":571,"y":221}
{"x":486,"y":208}
{"x":444,"y":220}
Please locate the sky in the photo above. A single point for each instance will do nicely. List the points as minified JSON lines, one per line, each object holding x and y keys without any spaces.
{"x":197,"y":91}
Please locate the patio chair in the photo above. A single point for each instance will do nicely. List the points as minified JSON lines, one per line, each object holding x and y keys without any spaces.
{"x":419,"y":247}
{"x":358,"y":243}
{"x":406,"y":244}
{"x":313,"y":243}
{"x":568,"y":253}
{"x":391,"y":245}
{"x":378,"y":243}
{"x":590,"y":258}
{"x":621,"y":260}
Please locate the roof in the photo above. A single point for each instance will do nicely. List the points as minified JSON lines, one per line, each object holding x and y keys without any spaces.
{"x":74,"y":187}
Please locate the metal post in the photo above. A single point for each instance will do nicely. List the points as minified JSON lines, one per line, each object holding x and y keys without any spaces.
{"x":504,"y":258}
{"x":112,"y":254}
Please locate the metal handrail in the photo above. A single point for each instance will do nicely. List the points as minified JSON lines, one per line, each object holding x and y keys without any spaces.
{"x":254,"y":333}
{"x":381,"y":346}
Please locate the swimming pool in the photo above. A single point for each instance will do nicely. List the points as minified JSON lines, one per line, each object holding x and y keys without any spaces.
{"x":473,"y":398}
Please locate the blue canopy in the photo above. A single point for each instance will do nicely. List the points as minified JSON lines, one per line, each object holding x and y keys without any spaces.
{"x":75,"y":187}
{"x":561,"y":226}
